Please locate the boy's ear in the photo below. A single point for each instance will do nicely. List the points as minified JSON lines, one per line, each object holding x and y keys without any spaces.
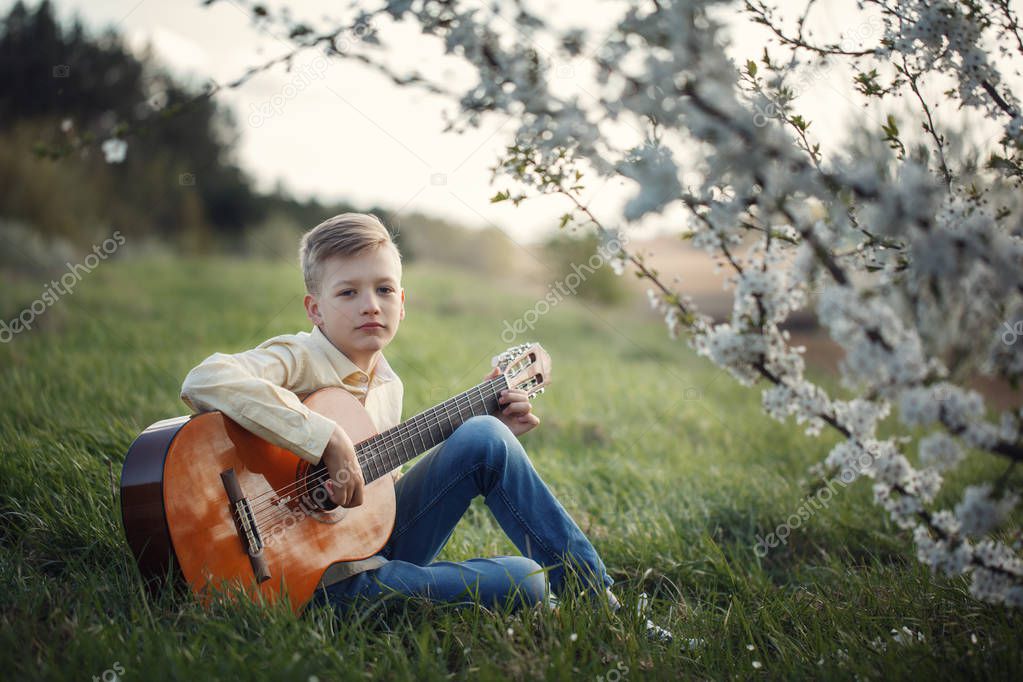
{"x":312,"y":309}
{"x":401,"y":316}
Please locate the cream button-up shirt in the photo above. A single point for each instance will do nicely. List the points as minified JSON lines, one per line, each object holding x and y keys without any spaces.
{"x":259,"y":389}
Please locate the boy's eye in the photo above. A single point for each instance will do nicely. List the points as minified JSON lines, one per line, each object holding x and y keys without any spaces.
{"x":386,"y":290}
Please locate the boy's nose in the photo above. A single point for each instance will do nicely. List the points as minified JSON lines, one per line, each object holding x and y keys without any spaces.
{"x":371,"y":305}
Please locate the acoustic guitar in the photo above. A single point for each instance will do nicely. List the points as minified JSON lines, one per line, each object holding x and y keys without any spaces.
{"x":208,"y":505}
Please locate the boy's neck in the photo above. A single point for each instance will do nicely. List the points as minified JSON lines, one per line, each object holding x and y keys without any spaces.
{"x":365,"y":363}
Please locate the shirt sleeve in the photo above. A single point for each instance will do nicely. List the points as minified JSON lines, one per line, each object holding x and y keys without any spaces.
{"x":252,"y":388}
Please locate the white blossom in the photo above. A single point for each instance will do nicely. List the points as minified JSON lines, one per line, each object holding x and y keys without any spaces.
{"x":906,"y":635}
{"x":940,"y":451}
{"x":917,"y":277}
{"x":114,"y":150}
{"x":653,"y":168}
{"x":978,"y":512}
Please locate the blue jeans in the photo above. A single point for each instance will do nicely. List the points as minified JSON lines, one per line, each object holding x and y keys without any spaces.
{"x":481,"y":457}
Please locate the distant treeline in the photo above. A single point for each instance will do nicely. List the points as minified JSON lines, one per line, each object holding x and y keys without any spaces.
{"x":64,"y":92}
{"x":178,"y":181}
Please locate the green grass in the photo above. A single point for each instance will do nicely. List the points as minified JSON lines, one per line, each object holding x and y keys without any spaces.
{"x":671,"y":485}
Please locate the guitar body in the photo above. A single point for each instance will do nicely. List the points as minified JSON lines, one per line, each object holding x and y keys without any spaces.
{"x":177,"y":511}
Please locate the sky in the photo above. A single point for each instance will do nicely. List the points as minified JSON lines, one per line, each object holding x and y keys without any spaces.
{"x":333,"y":129}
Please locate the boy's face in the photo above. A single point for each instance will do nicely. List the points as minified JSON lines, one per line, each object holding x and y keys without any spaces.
{"x":360,"y":303}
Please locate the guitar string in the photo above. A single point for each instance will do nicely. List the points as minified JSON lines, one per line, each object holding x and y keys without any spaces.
{"x":402,"y":431}
{"x":464,"y":400}
{"x":386,"y":463}
{"x":367,"y":446}
{"x":279,"y":511}
{"x":378,"y":462}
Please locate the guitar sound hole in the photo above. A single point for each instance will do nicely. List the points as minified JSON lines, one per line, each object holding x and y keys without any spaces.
{"x":317,"y":496}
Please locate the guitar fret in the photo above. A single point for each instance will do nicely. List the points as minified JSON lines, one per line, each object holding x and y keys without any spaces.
{"x":438,"y":436}
{"x":370,"y":465}
{"x":483,"y":402}
{"x":419,"y":433}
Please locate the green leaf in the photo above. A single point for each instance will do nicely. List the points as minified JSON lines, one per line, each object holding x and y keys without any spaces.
{"x":866,"y":83}
{"x":751,"y":67}
{"x":890,"y":127}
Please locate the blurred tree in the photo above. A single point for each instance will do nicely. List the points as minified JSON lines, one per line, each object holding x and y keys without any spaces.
{"x":583,"y":269}
{"x":74,"y":87}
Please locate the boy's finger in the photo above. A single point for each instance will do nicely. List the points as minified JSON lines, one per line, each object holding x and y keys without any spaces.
{"x":516,"y":408}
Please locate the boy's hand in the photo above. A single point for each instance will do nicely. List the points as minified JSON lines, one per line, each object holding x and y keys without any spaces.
{"x":345,"y":482}
{"x":517,"y":411}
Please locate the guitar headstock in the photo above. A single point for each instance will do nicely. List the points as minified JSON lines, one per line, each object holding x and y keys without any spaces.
{"x":526,"y":367}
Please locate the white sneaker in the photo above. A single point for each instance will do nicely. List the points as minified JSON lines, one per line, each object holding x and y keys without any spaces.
{"x":654,"y":632}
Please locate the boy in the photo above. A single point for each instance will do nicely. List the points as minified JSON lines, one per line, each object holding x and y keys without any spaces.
{"x":354,"y":299}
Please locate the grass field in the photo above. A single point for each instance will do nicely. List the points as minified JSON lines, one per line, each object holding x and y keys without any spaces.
{"x":669,"y":466}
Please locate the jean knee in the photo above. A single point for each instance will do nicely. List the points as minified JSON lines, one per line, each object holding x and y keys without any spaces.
{"x":493,"y":438}
{"x":529,"y":578}
{"x":487,"y":426}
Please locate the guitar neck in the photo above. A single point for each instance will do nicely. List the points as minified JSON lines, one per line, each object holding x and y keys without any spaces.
{"x":389,"y":449}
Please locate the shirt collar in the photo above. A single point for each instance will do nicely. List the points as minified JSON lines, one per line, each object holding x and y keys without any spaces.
{"x":350,"y":373}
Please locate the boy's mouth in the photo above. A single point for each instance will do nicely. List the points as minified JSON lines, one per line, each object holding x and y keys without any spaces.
{"x":371,"y":325}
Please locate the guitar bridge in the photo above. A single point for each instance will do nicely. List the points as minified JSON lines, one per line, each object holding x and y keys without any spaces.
{"x":245,"y":522}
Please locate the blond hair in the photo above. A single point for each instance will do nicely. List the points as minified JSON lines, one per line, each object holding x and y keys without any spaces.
{"x":347,"y":234}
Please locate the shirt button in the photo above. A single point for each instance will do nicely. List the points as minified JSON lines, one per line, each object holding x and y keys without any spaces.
{"x":361,"y":379}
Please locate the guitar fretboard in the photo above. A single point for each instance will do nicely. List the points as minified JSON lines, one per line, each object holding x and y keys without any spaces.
{"x":390,"y":449}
